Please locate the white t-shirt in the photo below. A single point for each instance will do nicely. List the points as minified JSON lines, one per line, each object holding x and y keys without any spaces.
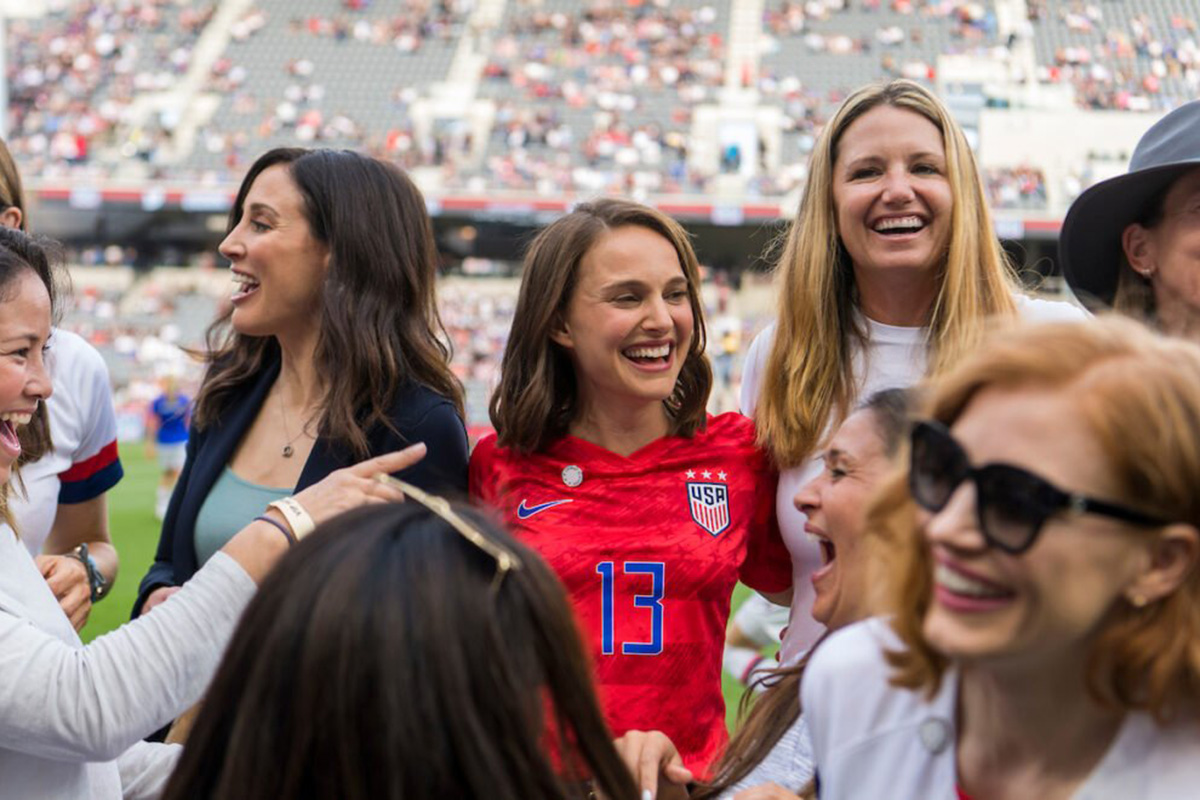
{"x":83,"y":426}
{"x":789,"y":763}
{"x":872,"y":739}
{"x":894,"y":358}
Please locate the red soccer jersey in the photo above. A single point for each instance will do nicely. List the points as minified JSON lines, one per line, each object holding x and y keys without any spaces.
{"x":649,"y":548}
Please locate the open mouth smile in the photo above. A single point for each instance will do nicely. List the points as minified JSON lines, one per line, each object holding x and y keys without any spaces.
{"x":243,"y":286}
{"x":653,"y":357}
{"x":898,"y":227}
{"x":10,"y":443}
{"x":961,"y":591}
{"x":828,"y":553}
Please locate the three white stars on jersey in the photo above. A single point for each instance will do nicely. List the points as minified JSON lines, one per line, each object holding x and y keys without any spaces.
{"x":706,"y":474}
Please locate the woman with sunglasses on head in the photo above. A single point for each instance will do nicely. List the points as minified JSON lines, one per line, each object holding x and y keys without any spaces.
{"x":606,"y":462}
{"x":889,"y":273}
{"x":1132,"y":242}
{"x":72,"y":715}
{"x":406,"y":651}
{"x":62,"y":512}
{"x":332,"y":351}
{"x":1046,"y":595}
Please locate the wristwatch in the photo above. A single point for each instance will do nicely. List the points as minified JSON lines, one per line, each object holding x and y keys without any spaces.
{"x":96,"y":579}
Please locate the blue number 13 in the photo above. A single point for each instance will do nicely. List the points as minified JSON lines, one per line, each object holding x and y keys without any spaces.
{"x":653,"y":601}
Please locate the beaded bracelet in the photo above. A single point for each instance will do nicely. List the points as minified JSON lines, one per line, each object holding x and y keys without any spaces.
{"x":291,"y":537}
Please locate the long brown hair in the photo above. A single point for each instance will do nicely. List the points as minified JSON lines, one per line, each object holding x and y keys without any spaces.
{"x":379,"y":660}
{"x":537,"y":398}
{"x":808,"y":382}
{"x":1140,"y":395}
{"x":379,"y":325}
{"x":778,"y":707}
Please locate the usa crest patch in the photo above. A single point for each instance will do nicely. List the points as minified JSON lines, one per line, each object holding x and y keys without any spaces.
{"x":709,"y":505}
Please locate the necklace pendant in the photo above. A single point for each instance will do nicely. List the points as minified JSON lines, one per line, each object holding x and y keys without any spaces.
{"x":287,"y":451}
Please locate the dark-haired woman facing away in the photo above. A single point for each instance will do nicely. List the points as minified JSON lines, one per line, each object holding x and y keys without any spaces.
{"x":391,"y":656}
{"x":332,"y":351}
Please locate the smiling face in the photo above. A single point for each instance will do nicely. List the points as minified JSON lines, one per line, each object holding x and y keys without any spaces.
{"x":629,"y":322}
{"x":835,"y":503}
{"x":24,"y":382}
{"x":278,"y":266}
{"x":990,"y":606}
{"x":891,"y":194}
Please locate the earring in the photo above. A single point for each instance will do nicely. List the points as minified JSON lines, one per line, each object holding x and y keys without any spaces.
{"x":1138,"y":600}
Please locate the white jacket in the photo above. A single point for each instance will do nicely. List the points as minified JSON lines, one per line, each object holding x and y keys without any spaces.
{"x":871,"y":739}
{"x":71,"y":716}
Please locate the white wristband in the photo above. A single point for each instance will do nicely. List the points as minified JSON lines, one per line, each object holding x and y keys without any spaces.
{"x":297,"y":518}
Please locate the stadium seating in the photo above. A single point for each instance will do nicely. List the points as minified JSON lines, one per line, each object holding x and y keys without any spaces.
{"x":582,"y":96}
{"x":320,"y":73}
{"x":1138,"y":55}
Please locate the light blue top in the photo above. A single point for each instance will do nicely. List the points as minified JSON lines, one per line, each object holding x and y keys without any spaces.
{"x":229,"y":507}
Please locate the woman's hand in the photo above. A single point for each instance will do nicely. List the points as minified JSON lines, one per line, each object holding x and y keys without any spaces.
{"x":767,"y":791}
{"x":68,"y":579}
{"x":158,"y":596}
{"x":259,"y":545}
{"x":356,"y":486}
{"x":655,"y":764}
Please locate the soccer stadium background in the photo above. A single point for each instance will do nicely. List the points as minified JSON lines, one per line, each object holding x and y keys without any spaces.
{"x":133,"y":121}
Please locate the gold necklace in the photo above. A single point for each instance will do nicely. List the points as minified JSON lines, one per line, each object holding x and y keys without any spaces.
{"x":288,"y":450}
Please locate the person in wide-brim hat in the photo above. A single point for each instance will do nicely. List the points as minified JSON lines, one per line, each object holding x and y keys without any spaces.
{"x":1133,"y":242}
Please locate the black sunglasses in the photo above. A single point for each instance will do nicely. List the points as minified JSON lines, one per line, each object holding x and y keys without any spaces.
{"x":1012,"y":503}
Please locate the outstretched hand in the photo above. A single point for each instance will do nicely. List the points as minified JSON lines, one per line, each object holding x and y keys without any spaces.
{"x":356,"y":486}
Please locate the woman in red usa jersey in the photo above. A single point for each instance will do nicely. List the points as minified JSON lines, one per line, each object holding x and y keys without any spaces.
{"x":607,"y":463}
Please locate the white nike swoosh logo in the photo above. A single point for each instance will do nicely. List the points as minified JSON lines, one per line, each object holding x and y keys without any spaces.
{"x":525,"y":512}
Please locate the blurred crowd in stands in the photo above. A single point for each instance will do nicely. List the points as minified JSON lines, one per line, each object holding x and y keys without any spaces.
{"x":602,"y":100}
{"x":75,"y":76}
{"x":1016,"y":187}
{"x":1139,"y":56}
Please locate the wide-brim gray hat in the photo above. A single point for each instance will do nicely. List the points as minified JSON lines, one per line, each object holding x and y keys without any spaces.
{"x":1089,"y":246}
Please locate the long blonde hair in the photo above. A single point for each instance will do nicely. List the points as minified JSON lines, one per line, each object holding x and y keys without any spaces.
{"x":808,"y":382}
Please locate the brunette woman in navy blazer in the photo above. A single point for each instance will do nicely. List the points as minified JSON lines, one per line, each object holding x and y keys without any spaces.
{"x":332,"y":352}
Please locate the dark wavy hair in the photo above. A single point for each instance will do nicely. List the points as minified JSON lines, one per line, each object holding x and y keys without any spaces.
{"x":379,"y":323}
{"x":537,"y":398}
{"x":20,"y":252}
{"x":379,"y":661}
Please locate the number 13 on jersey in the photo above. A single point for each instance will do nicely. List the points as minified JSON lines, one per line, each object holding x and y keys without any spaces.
{"x":654,"y":573}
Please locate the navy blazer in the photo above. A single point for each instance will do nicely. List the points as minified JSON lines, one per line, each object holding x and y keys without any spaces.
{"x":419,"y":414}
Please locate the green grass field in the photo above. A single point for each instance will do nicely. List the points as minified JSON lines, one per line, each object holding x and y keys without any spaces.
{"x":135,"y":534}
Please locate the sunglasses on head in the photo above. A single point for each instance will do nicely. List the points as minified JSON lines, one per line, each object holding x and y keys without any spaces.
{"x":506,"y":560}
{"x":1012,"y":504}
